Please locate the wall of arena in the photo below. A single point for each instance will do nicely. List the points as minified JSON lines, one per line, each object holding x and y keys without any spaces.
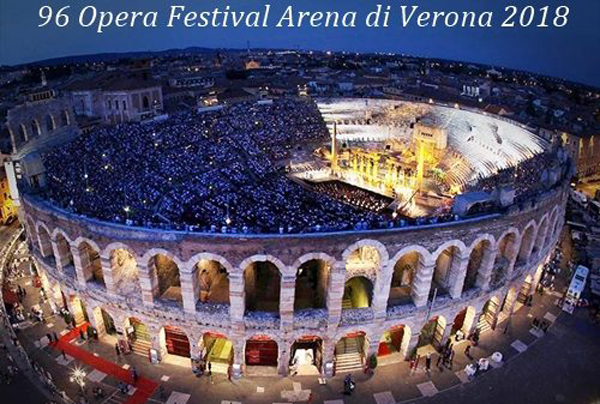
{"x":513,"y":247}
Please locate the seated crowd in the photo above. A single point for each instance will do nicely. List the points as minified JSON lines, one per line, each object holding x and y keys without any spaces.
{"x":204,"y":170}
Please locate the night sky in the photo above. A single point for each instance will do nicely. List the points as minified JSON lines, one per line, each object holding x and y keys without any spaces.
{"x":572,"y":52}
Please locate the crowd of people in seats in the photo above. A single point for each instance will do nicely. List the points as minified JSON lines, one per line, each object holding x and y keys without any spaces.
{"x":354,"y":196}
{"x":200,"y":172}
{"x":525,"y":178}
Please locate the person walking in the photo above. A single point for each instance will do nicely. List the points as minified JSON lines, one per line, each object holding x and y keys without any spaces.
{"x":428,"y":363}
{"x":117,"y":349}
{"x":468,"y":351}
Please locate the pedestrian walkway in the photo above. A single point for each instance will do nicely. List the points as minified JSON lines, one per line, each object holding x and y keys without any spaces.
{"x":144,"y":388}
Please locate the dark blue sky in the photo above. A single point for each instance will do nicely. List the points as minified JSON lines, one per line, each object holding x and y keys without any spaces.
{"x":571,"y":52}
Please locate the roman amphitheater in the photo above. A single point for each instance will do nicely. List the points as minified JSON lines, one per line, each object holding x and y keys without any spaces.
{"x":316,"y":298}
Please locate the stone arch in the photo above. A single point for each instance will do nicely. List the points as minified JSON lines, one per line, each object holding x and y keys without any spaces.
{"x":89,"y":258}
{"x":313,"y":279}
{"x":266,"y":271}
{"x":175,"y":341}
{"x":122,"y":262}
{"x":35,"y":128}
{"x":210,"y":274}
{"x":164,"y":270}
{"x":507,"y":248}
{"x":383,"y":253}
{"x":262,"y":350}
{"x":407,"y":263}
{"x":50,"y":123}
{"x":218,"y":349}
{"x":350,"y":350}
{"x":23,"y":133}
{"x":31,"y":231}
{"x":447,"y":266}
{"x":489,"y":315}
{"x":432,"y":332}
{"x":527,"y":242}
{"x":65,"y":118}
{"x":358,"y":293}
{"x":480,"y":255}
{"x":62,"y":253}
{"x":44,"y":240}
{"x":395,"y":340}
{"x":464,"y":322}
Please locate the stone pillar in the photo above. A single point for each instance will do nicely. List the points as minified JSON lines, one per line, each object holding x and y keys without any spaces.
{"x":422,"y":282}
{"x":147,"y":285}
{"x":283,"y":361}
{"x":381,"y":291}
{"x":108,"y":275}
{"x":58,"y":258}
{"x":412,"y":344}
{"x":484,"y":274}
{"x":446,"y":334}
{"x":238,"y":358}
{"x":45,"y":245}
{"x":187,"y":280}
{"x":512,"y":251}
{"x":286,"y":302}
{"x":237,"y":304}
{"x":329,"y":357}
{"x":458,"y":273}
{"x":156,"y":342}
{"x":335,"y":293}
{"x":373,"y":345}
{"x":97,"y":321}
{"x":473,"y":327}
{"x":79,"y":263}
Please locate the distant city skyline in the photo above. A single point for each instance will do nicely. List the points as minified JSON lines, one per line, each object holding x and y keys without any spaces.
{"x":570,"y":52}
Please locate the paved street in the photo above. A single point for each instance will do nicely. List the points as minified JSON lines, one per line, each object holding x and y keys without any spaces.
{"x":558,"y":367}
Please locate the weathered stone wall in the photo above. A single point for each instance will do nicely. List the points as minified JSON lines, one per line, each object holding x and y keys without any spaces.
{"x":287,"y":253}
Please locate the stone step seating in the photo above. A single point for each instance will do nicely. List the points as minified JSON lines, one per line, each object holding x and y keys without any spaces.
{"x":348,"y":357}
{"x":346,"y":304}
{"x":78,"y":317}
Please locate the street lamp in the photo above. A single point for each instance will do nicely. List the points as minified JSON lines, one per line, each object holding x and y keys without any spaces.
{"x":78,"y":377}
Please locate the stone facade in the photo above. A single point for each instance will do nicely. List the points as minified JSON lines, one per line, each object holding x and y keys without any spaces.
{"x":532,"y":230}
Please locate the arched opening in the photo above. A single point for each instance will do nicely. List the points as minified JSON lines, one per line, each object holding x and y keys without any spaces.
{"x":91,"y":264}
{"x":125,"y":274}
{"x":525,"y":291}
{"x":431,"y":336}
{"x":358,"y":293}
{"x":526,"y":246}
{"x":504,"y":257}
{"x":35,"y":128}
{"x":175,"y":341}
{"x":213,"y":282}
{"x":350,"y":352}
{"x":306,"y":357}
{"x":167,"y":287}
{"x":65,"y":119}
{"x":363,"y":259}
{"x":261,"y":350}
{"x":447,"y":262}
{"x":489,"y":315}
{"x":78,"y":311}
{"x":480,"y":252}
{"x":50,"y":124}
{"x":218,"y":351}
{"x":22,"y":134}
{"x":394,"y":342}
{"x":45,"y":243}
{"x":312,"y":279}
{"x":139,"y":337}
{"x":262,"y":284}
{"x":109,"y":323}
{"x":463,"y":323}
{"x":63,"y":249}
{"x":405,"y":271}
{"x":145,"y":103}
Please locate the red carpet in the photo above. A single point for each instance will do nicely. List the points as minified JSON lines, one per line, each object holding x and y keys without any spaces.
{"x":145,"y":387}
